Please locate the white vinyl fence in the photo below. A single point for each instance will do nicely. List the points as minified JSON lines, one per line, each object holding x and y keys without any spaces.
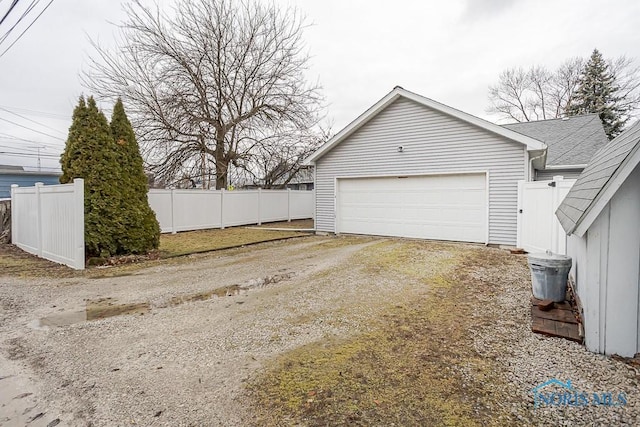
{"x":48,"y":221}
{"x":183,"y":210}
{"x":538,"y":228}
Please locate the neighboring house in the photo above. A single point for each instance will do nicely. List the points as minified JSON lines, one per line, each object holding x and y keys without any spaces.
{"x":601,"y":215}
{"x":412,"y":167}
{"x":571,"y":141}
{"x":17,"y":175}
{"x":301,"y":180}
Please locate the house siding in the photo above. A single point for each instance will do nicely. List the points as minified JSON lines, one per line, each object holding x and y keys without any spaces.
{"x":607,"y":271}
{"x":548,"y":174}
{"x":433,"y":143}
{"x":23,"y":180}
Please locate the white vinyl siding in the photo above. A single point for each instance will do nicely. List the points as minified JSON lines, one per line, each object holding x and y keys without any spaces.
{"x":433,"y":143}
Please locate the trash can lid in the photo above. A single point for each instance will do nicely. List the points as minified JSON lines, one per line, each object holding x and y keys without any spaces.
{"x":550,"y":259}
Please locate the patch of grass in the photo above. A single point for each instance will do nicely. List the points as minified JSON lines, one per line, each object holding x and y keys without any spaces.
{"x":208,"y":240}
{"x":15,"y":262}
{"x":407,"y":370}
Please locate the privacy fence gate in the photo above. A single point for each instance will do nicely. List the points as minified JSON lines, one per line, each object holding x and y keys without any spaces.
{"x":538,"y":228}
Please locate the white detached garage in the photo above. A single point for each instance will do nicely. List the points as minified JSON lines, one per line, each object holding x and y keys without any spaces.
{"x":412,"y":167}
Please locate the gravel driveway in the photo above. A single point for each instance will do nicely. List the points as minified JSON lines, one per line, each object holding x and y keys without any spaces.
{"x":203,"y":327}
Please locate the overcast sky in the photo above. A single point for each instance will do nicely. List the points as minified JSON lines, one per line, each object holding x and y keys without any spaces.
{"x":450,"y":51}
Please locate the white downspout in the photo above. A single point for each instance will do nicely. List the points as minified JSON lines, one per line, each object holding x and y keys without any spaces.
{"x":531,"y":170}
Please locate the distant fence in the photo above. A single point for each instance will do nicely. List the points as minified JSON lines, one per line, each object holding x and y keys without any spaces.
{"x":48,"y":221}
{"x":183,"y":210}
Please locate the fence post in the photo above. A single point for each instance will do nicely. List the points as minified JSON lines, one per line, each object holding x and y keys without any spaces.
{"x":39,"y":217}
{"x":259,"y":206}
{"x":14,"y":214}
{"x":555,"y":203}
{"x":78,"y":238}
{"x":288,"y":205}
{"x":173,"y":214}
{"x":222,"y":208}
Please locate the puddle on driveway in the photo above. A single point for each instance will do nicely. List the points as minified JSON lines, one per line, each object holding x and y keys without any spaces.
{"x":202,"y":296}
{"x":109,"y":307}
{"x":106,"y":307}
{"x":95,"y":310}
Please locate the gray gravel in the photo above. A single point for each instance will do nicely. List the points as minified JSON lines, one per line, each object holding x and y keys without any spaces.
{"x":525,"y":360}
{"x":186,"y":364}
{"x":175,"y":365}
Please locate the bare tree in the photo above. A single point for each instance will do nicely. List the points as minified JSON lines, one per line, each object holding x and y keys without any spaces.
{"x":627,"y":78}
{"x":203,"y":81}
{"x":278,"y":159}
{"x":540,"y":94}
{"x":534,"y":94}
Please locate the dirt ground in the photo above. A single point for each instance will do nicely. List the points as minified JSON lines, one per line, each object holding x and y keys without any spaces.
{"x":310,"y":331}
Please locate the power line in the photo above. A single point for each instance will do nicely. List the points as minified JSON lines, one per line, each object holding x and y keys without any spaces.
{"x":30,"y":120}
{"x":36,"y":113}
{"x":31,"y":129}
{"x":11,"y":153}
{"x":15,"y":2}
{"x":26,"y":29}
{"x":24,"y":14}
{"x":9,"y":138}
{"x":13,"y":147}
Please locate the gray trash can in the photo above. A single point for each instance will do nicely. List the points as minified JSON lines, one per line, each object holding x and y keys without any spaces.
{"x":549,"y":273}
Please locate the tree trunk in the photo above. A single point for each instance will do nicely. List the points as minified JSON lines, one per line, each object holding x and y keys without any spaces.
{"x":222,"y":164}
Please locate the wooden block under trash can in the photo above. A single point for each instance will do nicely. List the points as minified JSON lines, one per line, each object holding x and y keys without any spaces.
{"x":546,"y":304}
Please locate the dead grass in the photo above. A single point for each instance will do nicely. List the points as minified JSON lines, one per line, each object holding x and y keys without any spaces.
{"x":405,"y":371}
{"x":190,"y":242}
{"x":299,"y":223}
{"x":15,"y":262}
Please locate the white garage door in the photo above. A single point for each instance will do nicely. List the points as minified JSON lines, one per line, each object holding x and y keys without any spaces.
{"x":441,"y":207}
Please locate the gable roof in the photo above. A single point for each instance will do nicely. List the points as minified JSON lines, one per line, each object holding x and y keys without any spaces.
{"x":599,"y":181}
{"x":397,"y":92}
{"x":571,"y":140}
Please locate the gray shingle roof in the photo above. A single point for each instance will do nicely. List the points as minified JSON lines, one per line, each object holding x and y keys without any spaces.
{"x":595,"y":177}
{"x":571,"y":141}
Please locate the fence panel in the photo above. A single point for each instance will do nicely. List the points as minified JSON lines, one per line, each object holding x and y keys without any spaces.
{"x":48,"y":221}
{"x":196,"y":210}
{"x":183,"y":210}
{"x":160,"y":202}
{"x":24,"y":219}
{"x":302,"y":204}
{"x":274,"y":205}
{"x":240,"y":208}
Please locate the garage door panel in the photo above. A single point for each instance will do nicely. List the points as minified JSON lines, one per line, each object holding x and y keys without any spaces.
{"x":444,"y":207}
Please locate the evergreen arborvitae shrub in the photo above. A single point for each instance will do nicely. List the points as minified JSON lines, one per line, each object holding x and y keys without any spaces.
{"x":90,"y":153}
{"x":140,"y":232}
